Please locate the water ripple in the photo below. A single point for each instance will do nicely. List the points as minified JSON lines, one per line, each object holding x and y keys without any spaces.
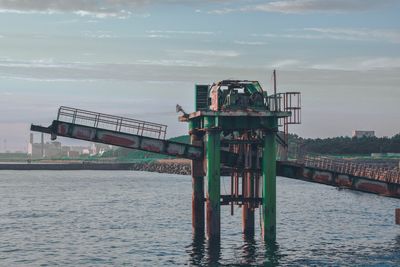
{"x":89,"y":218}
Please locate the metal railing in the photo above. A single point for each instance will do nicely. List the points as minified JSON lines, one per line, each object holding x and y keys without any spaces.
{"x":276,"y":102}
{"x":110,"y":122}
{"x":380,"y":172}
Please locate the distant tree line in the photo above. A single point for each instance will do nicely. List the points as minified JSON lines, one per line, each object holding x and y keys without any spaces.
{"x":347,"y":145}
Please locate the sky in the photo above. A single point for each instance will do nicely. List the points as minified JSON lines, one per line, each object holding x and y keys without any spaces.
{"x":141,"y":58}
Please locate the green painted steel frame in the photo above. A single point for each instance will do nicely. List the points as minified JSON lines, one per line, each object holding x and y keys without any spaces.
{"x":232,"y":122}
{"x":269,"y":182}
{"x":213,"y":125}
{"x":213,"y":163}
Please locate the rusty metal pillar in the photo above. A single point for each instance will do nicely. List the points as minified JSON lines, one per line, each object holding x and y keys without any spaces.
{"x":198,"y":191}
{"x":398,"y":216}
{"x":247,"y":208}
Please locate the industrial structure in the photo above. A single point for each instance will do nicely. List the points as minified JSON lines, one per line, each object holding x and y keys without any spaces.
{"x":237,"y":117}
{"x":234,"y":128}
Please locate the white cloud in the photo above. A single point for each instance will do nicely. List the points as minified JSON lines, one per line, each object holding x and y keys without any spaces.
{"x":358,"y":34}
{"x":40,"y":63}
{"x":181,"y":32}
{"x":99,"y":35}
{"x":299,"y":35}
{"x":359,"y":64}
{"x":249,"y":43}
{"x":161,"y":36}
{"x":287,"y":63}
{"x":213,"y":53}
{"x":166,"y":34}
{"x":341,"y":64}
{"x":348,"y":34}
{"x":22,"y":11}
{"x":172,"y":62}
{"x":99,"y":9}
{"x":305,"y":6}
{"x":128,"y":8}
{"x":308,"y":6}
{"x":30,"y":79}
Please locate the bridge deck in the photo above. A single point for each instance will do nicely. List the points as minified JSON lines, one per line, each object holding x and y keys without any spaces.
{"x":117,"y":138}
{"x":147,"y":136}
{"x":338,"y":179}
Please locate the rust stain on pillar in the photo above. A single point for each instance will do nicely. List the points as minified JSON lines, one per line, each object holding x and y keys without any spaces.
{"x":198,"y":220}
{"x":247,"y":208}
{"x":197,"y":197}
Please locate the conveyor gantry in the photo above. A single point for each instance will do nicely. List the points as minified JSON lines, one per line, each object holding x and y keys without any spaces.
{"x":124,"y":132}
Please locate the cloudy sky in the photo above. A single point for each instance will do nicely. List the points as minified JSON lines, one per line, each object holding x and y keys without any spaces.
{"x":141,"y":58}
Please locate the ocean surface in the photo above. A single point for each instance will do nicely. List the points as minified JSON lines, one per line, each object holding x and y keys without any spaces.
{"x":116,"y":218}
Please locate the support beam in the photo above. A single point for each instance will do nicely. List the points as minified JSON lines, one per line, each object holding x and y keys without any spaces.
{"x":213,"y":161}
{"x":198,"y":192}
{"x":247,"y":208}
{"x":269,"y":183}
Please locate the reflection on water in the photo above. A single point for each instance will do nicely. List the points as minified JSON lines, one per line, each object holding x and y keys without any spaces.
{"x":213,"y":251}
{"x":197,"y":250}
{"x":249,"y":249}
{"x":272,"y":253}
{"x":205,"y":252}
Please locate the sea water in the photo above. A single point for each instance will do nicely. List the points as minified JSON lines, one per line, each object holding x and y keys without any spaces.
{"x":117,"y":218}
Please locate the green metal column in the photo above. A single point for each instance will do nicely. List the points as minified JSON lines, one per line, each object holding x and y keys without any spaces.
{"x":269,"y":182}
{"x":213,"y":161}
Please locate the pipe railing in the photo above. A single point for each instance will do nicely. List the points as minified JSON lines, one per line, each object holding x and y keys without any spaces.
{"x":110,"y":122}
{"x":379,"y":172}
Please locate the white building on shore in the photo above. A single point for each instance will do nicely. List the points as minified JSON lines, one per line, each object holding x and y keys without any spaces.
{"x":361,"y":133}
{"x":56,"y":150}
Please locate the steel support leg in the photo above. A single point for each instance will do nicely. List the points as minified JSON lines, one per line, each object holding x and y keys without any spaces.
{"x":213,"y":181}
{"x":197,"y":199}
{"x":198,"y":219}
{"x":269,"y":184}
{"x":247,"y":209}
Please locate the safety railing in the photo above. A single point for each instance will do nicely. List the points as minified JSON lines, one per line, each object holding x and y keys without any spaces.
{"x":379,"y":172}
{"x":110,"y":122}
{"x":276,"y":102}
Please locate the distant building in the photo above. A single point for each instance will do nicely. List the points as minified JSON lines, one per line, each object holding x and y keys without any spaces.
{"x":55,"y":150}
{"x":47,"y":150}
{"x":360,"y":134}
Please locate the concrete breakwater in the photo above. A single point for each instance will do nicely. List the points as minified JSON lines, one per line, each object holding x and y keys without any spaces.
{"x":167,"y":166}
{"x":179,"y":167}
